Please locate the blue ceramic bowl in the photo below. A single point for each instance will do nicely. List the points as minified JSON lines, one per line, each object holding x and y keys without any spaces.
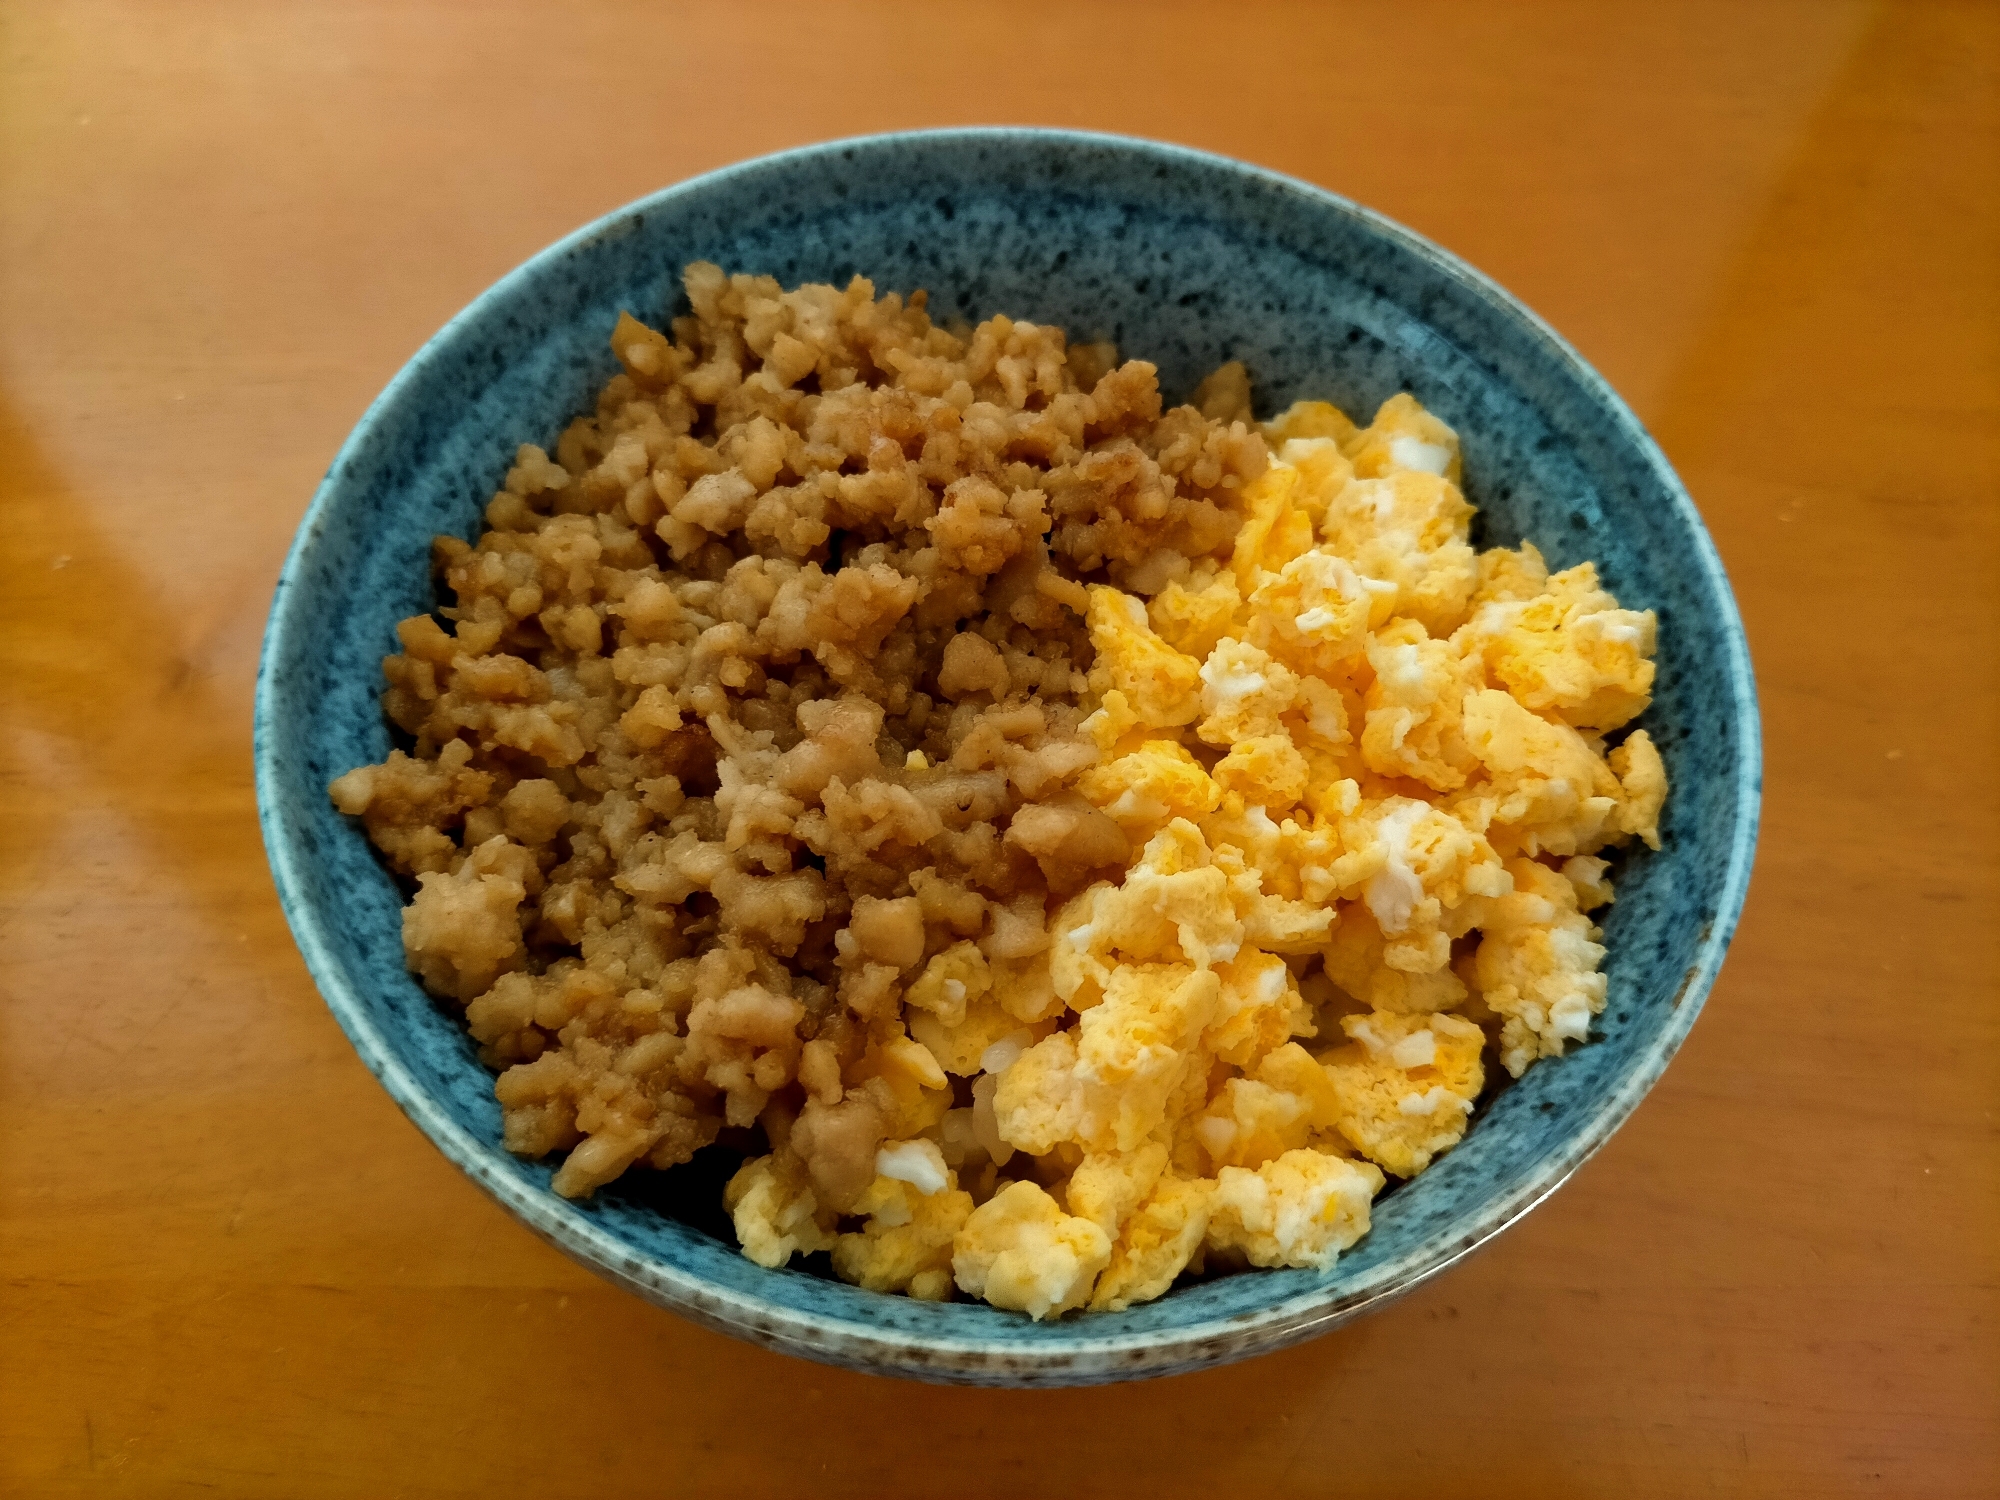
{"x":1186,"y":260}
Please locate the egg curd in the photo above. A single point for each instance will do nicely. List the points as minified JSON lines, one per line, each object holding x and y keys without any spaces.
{"x":1367,"y":771}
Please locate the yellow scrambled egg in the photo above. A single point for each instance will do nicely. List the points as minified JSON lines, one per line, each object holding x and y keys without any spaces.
{"x":1367,"y":772}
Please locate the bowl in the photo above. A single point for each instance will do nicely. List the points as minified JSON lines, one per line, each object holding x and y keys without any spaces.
{"x":1185,"y":259}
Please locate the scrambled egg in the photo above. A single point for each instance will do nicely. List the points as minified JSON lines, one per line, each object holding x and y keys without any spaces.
{"x":1536,"y":967}
{"x":914,"y":1214}
{"x":775,"y":1212}
{"x":1158,"y":781}
{"x":1368,"y":776}
{"x":1158,"y":685}
{"x":1019,"y":1250}
{"x":1299,"y":1209}
{"x":1404,"y":1086}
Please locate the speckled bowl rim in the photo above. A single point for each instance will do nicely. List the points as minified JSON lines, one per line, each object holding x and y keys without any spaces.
{"x":1083,"y":1358}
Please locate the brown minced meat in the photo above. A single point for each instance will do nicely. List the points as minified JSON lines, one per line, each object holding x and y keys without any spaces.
{"x":762,"y":692}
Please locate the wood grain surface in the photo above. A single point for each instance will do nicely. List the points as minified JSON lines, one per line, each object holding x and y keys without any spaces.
{"x":227,"y":1264}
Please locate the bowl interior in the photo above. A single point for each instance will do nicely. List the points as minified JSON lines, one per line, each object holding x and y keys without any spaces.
{"x":1185,"y":260}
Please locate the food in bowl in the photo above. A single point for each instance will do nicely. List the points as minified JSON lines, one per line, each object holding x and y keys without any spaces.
{"x":919,"y":758}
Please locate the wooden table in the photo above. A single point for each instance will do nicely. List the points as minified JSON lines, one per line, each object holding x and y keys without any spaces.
{"x":230,"y":1267}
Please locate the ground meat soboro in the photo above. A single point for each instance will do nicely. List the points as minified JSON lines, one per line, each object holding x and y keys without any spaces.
{"x":760,"y":695}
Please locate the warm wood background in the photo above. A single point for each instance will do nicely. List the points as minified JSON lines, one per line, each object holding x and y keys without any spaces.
{"x":228,"y":1266}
